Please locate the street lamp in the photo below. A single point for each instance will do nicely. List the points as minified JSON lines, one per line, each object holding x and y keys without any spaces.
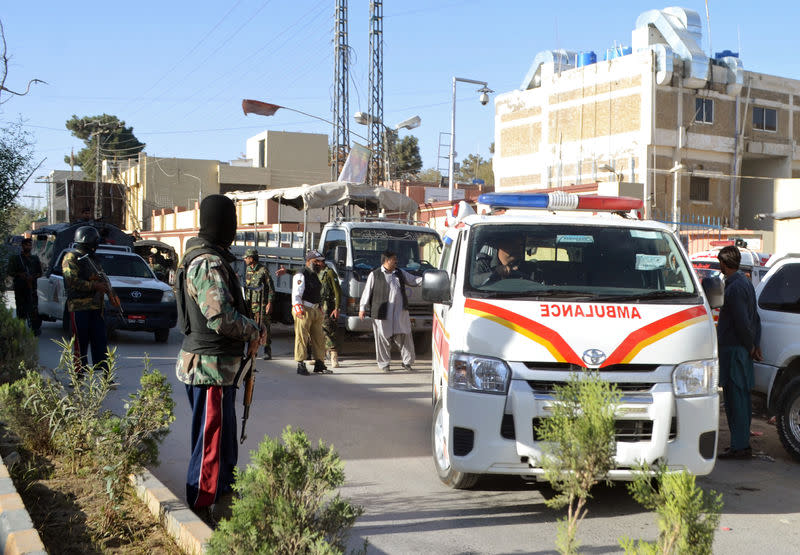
{"x":365,"y":118}
{"x":676,"y":170}
{"x":484,"y":100}
{"x":610,"y":169}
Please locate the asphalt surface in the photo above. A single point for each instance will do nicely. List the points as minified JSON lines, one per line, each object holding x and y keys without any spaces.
{"x":380,"y":425}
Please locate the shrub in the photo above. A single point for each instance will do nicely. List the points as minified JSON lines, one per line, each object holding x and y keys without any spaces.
{"x":70,"y":421}
{"x":687,"y":516}
{"x":19,"y":346}
{"x":578,"y":448}
{"x":286,"y":501}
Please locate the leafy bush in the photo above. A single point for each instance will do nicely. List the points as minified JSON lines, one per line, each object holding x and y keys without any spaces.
{"x":19,"y":346}
{"x":286,"y":502}
{"x":70,"y":421}
{"x":687,"y":516}
{"x":578,"y":448}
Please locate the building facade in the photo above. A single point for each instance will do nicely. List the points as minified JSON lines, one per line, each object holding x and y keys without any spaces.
{"x":701,"y":135}
{"x":155,"y":183}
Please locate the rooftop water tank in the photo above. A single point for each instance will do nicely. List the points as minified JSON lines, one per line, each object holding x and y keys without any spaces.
{"x":586,"y":58}
{"x":618,"y":51}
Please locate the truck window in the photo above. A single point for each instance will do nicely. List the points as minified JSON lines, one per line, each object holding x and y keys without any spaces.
{"x":333,"y":238}
{"x":417,"y":250}
{"x":124,"y":266}
{"x":550,"y":260}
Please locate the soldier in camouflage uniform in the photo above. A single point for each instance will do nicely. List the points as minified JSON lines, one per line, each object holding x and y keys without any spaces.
{"x":260,"y":294}
{"x":331,"y":300}
{"x":216,"y":322}
{"x":85,"y":298}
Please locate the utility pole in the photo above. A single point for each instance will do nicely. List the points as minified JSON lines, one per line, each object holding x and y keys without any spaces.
{"x":340,"y":145}
{"x":377,"y":132}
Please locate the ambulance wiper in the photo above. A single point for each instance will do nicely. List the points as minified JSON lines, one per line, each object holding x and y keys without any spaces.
{"x":564,"y":294}
{"x":665,"y":294}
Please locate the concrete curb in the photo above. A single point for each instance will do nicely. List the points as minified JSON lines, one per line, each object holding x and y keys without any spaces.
{"x":186,"y":528}
{"x":17,"y":534}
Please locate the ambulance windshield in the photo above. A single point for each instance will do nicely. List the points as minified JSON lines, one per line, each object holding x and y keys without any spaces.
{"x":580,"y":261}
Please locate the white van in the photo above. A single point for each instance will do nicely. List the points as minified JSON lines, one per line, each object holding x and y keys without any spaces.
{"x":591,"y":288}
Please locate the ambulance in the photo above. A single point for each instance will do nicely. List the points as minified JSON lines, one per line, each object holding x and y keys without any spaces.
{"x":539,"y":287}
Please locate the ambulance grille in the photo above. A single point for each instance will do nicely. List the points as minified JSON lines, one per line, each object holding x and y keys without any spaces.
{"x":567,"y":367}
{"x":548,"y":388}
{"x":626,"y":431}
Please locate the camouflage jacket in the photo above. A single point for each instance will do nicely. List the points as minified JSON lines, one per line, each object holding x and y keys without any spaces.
{"x":206,"y":279}
{"x":258,"y":285}
{"x":331,"y":291}
{"x":80,"y":291}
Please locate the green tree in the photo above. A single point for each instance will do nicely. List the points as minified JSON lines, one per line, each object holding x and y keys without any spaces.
{"x":430,"y":175}
{"x":579,"y":447}
{"x":406,"y":159}
{"x":117,"y":142}
{"x":475,"y":166}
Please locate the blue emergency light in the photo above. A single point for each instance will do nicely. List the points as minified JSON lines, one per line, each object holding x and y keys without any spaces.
{"x":560,"y":201}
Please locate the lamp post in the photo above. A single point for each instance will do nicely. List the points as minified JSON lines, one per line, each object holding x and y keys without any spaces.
{"x":364,"y":118}
{"x":676,"y":170}
{"x":484,"y":99}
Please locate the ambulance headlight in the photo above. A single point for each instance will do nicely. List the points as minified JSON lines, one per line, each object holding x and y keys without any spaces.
{"x":696,"y":378}
{"x":481,"y":374}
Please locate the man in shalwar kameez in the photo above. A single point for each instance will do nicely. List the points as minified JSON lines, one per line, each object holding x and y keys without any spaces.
{"x":385,"y":298}
{"x":738,"y":337}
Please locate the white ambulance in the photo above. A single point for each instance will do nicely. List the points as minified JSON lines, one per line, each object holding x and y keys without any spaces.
{"x":543,"y":286}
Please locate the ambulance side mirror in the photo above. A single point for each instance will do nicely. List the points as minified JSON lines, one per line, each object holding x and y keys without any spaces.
{"x":436,"y":287}
{"x":714,"y":288}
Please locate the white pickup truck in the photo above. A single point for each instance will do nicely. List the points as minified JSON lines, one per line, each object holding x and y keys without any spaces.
{"x":147,"y":303}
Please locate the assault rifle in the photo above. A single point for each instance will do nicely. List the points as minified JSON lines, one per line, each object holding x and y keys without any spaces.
{"x":100,"y":275}
{"x":248,"y":367}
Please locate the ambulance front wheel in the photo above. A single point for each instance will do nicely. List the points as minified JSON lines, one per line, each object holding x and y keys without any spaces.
{"x":440,"y":438}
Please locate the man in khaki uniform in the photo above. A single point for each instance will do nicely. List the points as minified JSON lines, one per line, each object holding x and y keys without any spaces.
{"x":308,"y":316}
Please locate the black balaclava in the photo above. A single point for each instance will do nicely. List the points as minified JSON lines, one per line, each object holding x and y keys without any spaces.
{"x":218,"y":220}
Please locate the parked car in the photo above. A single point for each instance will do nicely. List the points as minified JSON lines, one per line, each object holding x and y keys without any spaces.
{"x":777,"y":376}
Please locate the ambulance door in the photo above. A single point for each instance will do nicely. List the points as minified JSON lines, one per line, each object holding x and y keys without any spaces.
{"x":443,"y":330}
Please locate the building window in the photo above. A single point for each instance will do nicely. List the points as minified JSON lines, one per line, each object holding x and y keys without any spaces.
{"x":262,"y":153}
{"x":765,"y":119}
{"x":698,"y":188}
{"x":61,"y":189}
{"x":704,"y":110}
{"x":61,"y":216}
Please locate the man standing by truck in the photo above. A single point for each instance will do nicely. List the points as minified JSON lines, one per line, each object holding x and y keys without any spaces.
{"x":215,"y":320}
{"x":331,"y":300}
{"x":385,"y":296}
{"x":260,"y":293}
{"x":738,"y":337}
{"x":26,"y":269}
{"x":85,"y":297}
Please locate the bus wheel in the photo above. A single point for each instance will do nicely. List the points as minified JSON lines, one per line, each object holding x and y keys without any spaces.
{"x":440,"y":438}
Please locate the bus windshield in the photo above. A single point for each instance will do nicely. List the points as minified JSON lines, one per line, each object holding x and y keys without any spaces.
{"x":417,"y":250}
{"x":581,"y":261}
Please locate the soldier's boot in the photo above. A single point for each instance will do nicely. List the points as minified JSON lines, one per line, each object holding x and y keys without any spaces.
{"x":267,"y":353}
{"x":320,"y":368}
{"x":334,"y":359}
{"x":301,"y":368}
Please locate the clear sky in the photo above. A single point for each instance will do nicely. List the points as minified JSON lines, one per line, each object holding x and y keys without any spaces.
{"x":177,"y":70}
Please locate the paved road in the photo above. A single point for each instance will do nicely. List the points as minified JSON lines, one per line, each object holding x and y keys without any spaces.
{"x":380,"y":425}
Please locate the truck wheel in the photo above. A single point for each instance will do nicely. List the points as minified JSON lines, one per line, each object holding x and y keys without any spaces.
{"x":422,"y":342}
{"x":162,"y":335}
{"x":440,"y":437}
{"x":788,"y":418}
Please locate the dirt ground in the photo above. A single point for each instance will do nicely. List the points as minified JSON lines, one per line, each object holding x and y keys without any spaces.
{"x":72,"y":512}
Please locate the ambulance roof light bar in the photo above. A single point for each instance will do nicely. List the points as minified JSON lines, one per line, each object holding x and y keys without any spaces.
{"x":560,"y":200}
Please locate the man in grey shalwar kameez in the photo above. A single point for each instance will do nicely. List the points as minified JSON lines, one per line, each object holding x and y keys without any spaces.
{"x":385,"y":296}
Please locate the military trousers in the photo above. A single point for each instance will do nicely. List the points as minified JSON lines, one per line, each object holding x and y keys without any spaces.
{"x":89,"y":331}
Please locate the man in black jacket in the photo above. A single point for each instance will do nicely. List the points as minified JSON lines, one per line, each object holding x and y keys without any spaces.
{"x":738,"y":337}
